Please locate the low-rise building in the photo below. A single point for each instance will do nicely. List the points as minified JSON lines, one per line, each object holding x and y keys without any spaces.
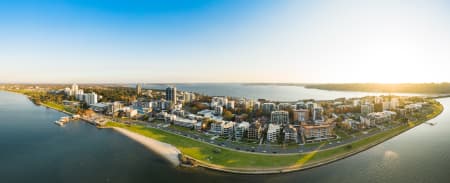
{"x":241,"y":130}
{"x":273,"y":132}
{"x":314,"y":133}
{"x":290,"y":134}
{"x":254,"y":132}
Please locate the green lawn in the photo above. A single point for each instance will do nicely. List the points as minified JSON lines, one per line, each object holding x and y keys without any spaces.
{"x":233,"y":159}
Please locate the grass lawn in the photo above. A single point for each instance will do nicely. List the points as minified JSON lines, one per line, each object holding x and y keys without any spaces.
{"x":233,"y":159}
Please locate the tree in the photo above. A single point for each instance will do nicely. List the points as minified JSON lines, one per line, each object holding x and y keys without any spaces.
{"x":227,"y":115}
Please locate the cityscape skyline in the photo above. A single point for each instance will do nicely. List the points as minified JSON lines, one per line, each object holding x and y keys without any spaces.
{"x":224,"y":42}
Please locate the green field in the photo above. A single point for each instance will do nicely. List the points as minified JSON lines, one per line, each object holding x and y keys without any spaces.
{"x":231,"y":159}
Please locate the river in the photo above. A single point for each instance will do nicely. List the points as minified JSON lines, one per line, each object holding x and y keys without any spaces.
{"x":270,"y":92}
{"x":33,"y":149}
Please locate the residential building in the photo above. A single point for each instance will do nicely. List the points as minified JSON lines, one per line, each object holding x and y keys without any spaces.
{"x":279,"y":117}
{"x":273,"y":132}
{"x":228,"y":129}
{"x":254,"y":132}
{"x":138,"y":89}
{"x":217,"y":127}
{"x":367,"y":108}
{"x":90,"y":98}
{"x":300,"y":105}
{"x":171,"y":94}
{"x":230,"y":105}
{"x":218,"y":110}
{"x":241,"y":130}
{"x":267,"y":108}
{"x":290,"y":134}
{"x":300,"y":115}
{"x":318,"y":117}
{"x":283,"y":106}
{"x":313,"y":133}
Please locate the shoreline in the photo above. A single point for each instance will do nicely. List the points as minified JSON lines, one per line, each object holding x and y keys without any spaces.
{"x":167,"y":151}
{"x":173,"y":155}
{"x":302,"y":167}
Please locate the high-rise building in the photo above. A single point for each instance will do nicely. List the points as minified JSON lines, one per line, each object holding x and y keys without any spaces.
{"x":301,"y":115}
{"x":279,"y":117}
{"x":138,"y":89}
{"x":318,"y":115}
{"x":171,"y":94}
{"x":267,"y":108}
{"x":367,"y":109}
{"x":90,"y":98}
{"x":74,"y":89}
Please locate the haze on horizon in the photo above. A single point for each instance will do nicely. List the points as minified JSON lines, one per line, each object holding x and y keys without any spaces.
{"x":326,"y":41}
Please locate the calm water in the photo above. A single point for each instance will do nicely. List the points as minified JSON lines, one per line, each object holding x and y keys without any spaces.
{"x":271,"y":92}
{"x":33,"y":149}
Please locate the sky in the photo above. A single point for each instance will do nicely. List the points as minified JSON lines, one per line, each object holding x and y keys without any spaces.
{"x":173,"y":41}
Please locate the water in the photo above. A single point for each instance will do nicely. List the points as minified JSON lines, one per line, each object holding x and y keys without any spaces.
{"x":270,"y":92}
{"x":33,"y":149}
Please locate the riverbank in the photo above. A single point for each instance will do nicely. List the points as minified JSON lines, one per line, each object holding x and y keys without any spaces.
{"x":226,"y":160}
{"x":167,"y":151}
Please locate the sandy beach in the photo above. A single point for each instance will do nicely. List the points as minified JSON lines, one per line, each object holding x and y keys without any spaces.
{"x":167,"y":151}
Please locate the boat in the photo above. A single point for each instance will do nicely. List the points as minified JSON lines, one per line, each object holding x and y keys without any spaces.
{"x":62,"y":121}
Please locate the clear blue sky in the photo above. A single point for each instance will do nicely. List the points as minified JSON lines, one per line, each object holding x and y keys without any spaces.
{"x":224,"y":41}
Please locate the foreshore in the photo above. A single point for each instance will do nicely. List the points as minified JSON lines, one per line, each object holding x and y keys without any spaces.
{"x":169,"y":152}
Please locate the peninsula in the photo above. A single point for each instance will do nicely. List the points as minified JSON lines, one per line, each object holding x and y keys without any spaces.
{"x":239,"y":135}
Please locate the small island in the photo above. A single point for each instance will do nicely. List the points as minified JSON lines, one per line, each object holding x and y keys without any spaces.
{"x":240,"y":135}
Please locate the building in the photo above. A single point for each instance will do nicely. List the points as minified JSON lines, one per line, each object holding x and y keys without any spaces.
{"x":394,"y":103}
{"x":290,"y":134}
{"x":284,"y":106}
{"x":241,"y":130}
{"x":90,"y":98}
{"x":300,"y":105}
{"x":256,"y":106}
{"x":218,"y":110}
{"x":254,"y":132}
{"x":230,"y":105}
{"x":312,"y":133}
{"x":219,"y":101}
{"x":267,"y":108}
{"x":228,"y":129}
{"x":217,"y":127}
{"x":171,"y":94}
{"x":273,"y":132}
{"x":138,"y":89}
{"x":367,"y":109}
{"x":300,"y":115}
{"x":188,"y":123}
{"x":381,"y":117}
{"x":318,"y":115}
{"x":279,"y":117}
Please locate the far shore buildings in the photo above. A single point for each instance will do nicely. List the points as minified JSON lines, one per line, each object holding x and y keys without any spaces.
{"x":138,"y":89}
